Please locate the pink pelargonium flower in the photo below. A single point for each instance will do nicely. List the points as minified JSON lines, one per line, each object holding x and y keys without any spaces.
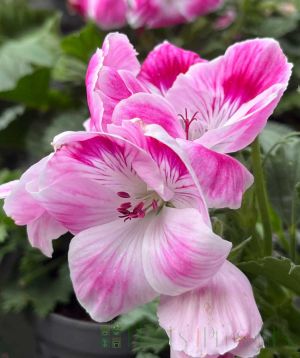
{"x":218,"y":320}
{"x":162,"y":13}
{"x":108,"y":14}
{"x":212,"y":107}
{"x":141,"y":224}
{"x":21,"y":206}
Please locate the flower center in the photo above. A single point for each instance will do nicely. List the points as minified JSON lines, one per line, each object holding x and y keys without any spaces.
{"x":187,"y":121}
{"x":137,"y":208}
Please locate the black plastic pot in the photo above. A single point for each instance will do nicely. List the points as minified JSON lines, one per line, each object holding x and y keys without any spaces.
{"x":61,"y":337}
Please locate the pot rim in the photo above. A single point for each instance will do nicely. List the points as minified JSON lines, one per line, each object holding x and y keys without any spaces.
{"x":68,"y":321}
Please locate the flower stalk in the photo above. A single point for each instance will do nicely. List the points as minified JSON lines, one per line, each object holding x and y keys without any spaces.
{"x":262,"y":197}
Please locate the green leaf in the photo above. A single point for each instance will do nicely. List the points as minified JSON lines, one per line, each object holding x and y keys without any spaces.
{"x":272,"y":134}
{"x":9,"y":115}
{"x":20,"y":57}
{"x":84,"y":43}
{"x":283,"y":173}
{"x":150,"y":339}
{"x":280,"y":270}
{"x":277,"y":26}
{"x":13,"y":23}
{"x":147,"y":355}
{"x":143,"y":313}
{"x":69,"y":69}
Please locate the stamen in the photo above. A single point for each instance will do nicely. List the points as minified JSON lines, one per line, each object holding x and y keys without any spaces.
{"x":125,"y":206}
{"x":123,"y":194}
{"x":154,"y":205}
{"x":187,"y":122}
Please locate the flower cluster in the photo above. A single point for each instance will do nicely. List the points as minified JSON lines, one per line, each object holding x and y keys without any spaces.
{"x":135,"y":188}
{"x":113,"y":14}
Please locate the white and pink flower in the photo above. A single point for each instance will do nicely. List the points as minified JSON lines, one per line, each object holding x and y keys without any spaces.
{"x":212,"y":108}
{"x":114,"y":14}
{"x":108,"y":14}
{"x":218,"y":320}
{"x":162,"y":13}
{"x":140,"y":222}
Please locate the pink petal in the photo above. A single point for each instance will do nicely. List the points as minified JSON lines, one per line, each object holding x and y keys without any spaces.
{"x":94,"y":101}
{"x":6,"y":189}
{"x":25,"y":209}
{"x":87,"y":173}
{"x":193,"y":8}
{"x":181,"y":185}
{"x":109,"y":14}
{"x":153,"y":14}
{"x":188,"y":192}
{"x":232,"y":97}
{"x":164,"y":64}
{"x":20,"y":205}
{"x":79,"y":202}
{"x":119,"y":53}
{"x":222,"y":178}
{"x":105,"y":86}
{"x":151,"y":109}
{"x":181,"y":252}
{"x":106,"y":269}
{"x":249,"y":348}
{"x":42,"y":231}
{"x":175,"y":354}
{"x":215,"y":319}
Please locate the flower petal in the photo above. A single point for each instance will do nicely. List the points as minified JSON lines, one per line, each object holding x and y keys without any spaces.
{"x":175,"y":354}
{"x":164,"y":64}
{"x":94,"y":100}
{"x":214,"y":319}
{"x":42,"y":231}
{"x":20,"y":205}
{"x":185,"y":193}
{"x":119,"y":53}
{"x":232,"y":97}
{"x":105,"y":87}
{"x":6,"y":189}
{"x":109,"y":14}
{"x":106,"y":269}
{"x":222,"y":178}
{"x":87,"y":173}
{"x":180,"y":252}
{"x":249,"y":348}
{"x":153,"y":14}
{"x":151,"y":109}
{"x":193,"y":8}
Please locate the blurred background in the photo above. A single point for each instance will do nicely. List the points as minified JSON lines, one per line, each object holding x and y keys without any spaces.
{"x":44,"y":51}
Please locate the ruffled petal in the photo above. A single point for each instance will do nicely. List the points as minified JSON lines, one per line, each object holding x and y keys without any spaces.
{"x":92,"y":175}
{"x":162,"y":66}
{"x":222,"y":178}
{"x":42,"y":231}
{"x":212,"y":320}
{"x":20,"y":205}
{"x":228,"y":101}
{"x":109,"y":14}
{"x":106,"y":269}
{"x":193,"y":8}
{"x":153,"y":14}
{"x":105,"y":85}
{"x":151,"y":109}
{"x":181,"y":252}
{"x":175,"y":354}
{"x":7,"y":188}
{"x":119,"y":53}
{"x":94,"y":100}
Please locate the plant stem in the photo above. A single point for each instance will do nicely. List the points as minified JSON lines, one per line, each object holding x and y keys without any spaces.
{"x":293,"y":241}
{"x":262,"y":198}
